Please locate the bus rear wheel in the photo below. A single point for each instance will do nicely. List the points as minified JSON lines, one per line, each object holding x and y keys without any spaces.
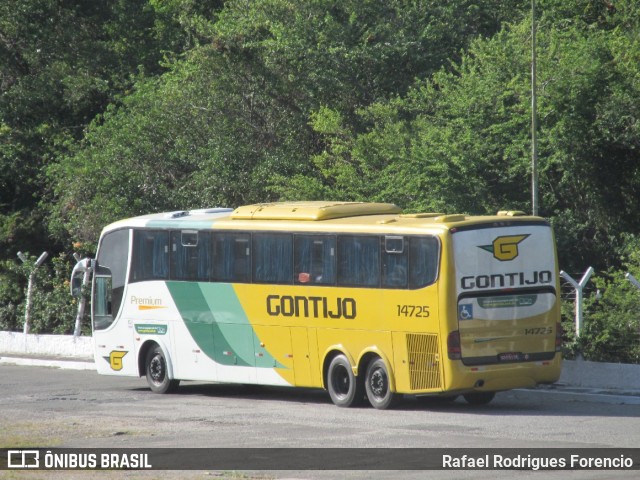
{"x":157,"y":374}
{"x":345,"y":389}
{"x":479,"y":398}
{"x":378,"y":386}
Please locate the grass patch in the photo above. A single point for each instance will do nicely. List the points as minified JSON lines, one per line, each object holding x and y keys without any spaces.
{"x":28,"y":434}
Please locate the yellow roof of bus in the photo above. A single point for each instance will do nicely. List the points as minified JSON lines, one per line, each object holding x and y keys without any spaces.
{"x":316,"y":215}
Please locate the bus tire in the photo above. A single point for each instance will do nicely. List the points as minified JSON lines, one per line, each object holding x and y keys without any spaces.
{"x":479,"y":398}
{"x":157,"y":372}
{"x":345,"y":389}
{"x":378,"y":386}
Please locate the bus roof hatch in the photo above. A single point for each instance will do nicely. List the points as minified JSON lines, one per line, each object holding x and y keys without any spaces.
{"x":312,"y":211}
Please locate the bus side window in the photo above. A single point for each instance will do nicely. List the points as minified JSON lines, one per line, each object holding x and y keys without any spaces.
{"x":358,"y":261}
{"x":394,"y":263}
{"x":315,"y":259}
{"x":231,"y":257}
{"x":272,"y":258}
{"x":424,"y":253}
{"x":150,"y":255}
{"x":190,"y":252}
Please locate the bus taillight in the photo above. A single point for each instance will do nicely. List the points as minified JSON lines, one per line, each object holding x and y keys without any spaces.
{"x":558,"y":337}
{"x":453,"y":345}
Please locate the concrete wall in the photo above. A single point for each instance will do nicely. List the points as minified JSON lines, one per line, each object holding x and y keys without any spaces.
{"x":31,"y":345}
{"x":607,"y":376}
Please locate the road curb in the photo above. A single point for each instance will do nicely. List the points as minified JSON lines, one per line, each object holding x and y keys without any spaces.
{"x":46,"y":362}
{"x":580,"y":395}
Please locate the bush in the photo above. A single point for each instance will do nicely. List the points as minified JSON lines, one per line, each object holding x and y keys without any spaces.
{"x":13,"y":284}
{"x":611,"y":322}
{"x":52,"y":309}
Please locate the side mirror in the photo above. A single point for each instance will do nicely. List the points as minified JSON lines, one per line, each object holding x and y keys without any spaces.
{"x":80,"y":276}
{"x":76,"y":286}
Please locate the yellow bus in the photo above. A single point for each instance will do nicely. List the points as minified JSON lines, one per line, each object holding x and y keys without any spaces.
{"x":356,"y":298}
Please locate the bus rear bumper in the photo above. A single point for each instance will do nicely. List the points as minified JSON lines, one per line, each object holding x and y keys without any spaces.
{"x":493,"y":378}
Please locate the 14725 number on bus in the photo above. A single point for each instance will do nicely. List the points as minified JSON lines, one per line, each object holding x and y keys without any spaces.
{"x":416,"y":311}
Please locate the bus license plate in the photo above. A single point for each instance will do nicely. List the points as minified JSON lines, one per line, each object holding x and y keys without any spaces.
{"x":510,"y":357}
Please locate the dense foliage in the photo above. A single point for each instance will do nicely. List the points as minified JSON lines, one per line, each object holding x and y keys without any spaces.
{"x":112,"y":109}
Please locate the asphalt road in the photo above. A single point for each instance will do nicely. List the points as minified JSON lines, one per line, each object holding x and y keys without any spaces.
{"x":67,"y":408}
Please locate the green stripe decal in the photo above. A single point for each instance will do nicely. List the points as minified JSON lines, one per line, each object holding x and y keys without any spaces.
{"x":226,"y":337}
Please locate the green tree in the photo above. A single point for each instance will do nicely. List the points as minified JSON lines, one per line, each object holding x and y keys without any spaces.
{"x":459,"y":141}
{"x":51,"y":310}
{"x":12,"y":285}
{"x":62,"y":63}
{"x":201,"y":135}
{"x":233,"y":120}
{"x":348,"y":54}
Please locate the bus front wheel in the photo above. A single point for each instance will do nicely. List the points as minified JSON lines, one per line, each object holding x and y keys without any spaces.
{"x":378,"y":386}
{"x":157,"y":374}
{"x":345,"y":389}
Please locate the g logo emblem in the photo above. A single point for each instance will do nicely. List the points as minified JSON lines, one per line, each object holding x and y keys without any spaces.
{"x":505,"y":248}
{"x":115,"y":359}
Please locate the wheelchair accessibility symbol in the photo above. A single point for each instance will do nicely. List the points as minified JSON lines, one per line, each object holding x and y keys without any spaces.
{"x":465,"y":311}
